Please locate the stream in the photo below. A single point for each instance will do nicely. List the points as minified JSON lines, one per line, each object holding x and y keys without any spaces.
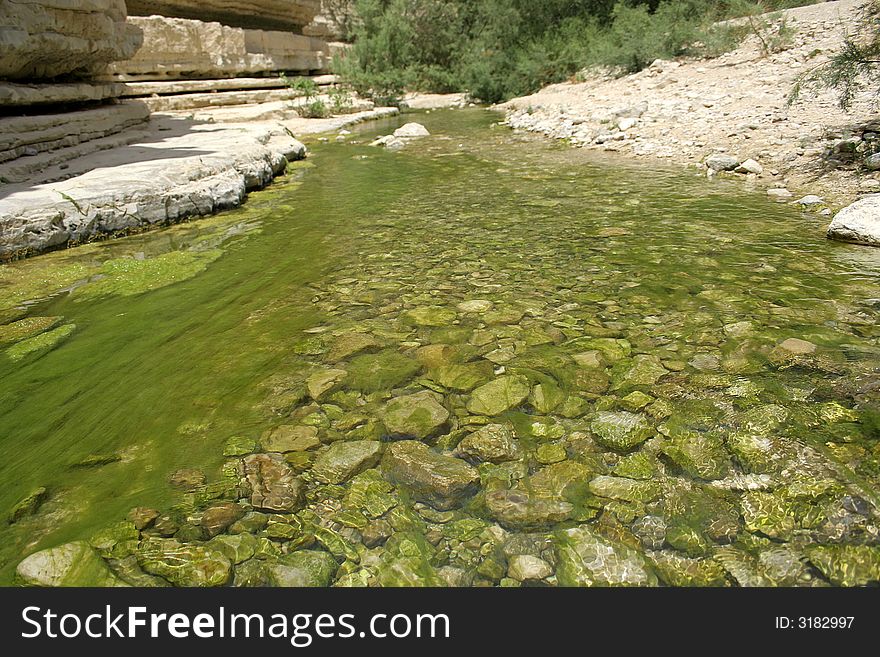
{"x":486,"y":359}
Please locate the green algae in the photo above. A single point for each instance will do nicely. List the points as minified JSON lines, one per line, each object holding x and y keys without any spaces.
{"x":41,"y":343}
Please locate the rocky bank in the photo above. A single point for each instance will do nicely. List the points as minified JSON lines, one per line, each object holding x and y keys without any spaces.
{"x":730,"y":116}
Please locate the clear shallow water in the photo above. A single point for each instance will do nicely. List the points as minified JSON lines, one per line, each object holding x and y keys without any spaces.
{"x":626,"y":303}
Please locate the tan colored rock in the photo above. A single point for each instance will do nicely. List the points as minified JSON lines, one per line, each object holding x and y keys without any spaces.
{"x":182,"y":48}
{"x":42,"y":39}
{"x":16,"y":94}
{"x":263,"y":14}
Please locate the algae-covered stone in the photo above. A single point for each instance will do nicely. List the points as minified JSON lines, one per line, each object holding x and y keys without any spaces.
{"x":185,"y":565}
{"x":629,"y":490}
{"x":291,"y":438}
{"x":384,"y":370}
{"x":415,"y":416}
{"x":847,"y":565}
{"x":612,"y":349}
{"x":436,"y":479}
{"x":546,"y":397}
{"x":322,"y":382}
{"x":72,"y":564}
{"x":499,"y":395}
{"x":637,"y":465}
{"x":700,"y":455}
{"x":187,"y":479}
{"x":587,"y":559}
{"x":26,"y":328}
{"x":237,"y":548}
{"x":463,"y":377}
{"x":475,"y":306}
{"x":522,"y":510}
{"x":41,"y":343}
{"x":676,"y":570}
{"x":343,"y":460}
{"x":407,"y":562}
{"x":494,"y":443}
{"x":351,"y":344}
{"x":116,"y":541}
{"x":303,"y":569}
{"x":621,"y":430}
{"x":645,"y":370}
{"x":566,"y":480}
{"x":770,"y":514}
{"x":239,"y":446}
{"x":430,"y":316}
{"x":549,"y":453}
{"x":28,"y":505}
{"x":272,"y":483}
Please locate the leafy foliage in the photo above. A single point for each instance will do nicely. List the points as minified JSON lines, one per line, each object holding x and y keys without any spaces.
{"x":496,"y":49}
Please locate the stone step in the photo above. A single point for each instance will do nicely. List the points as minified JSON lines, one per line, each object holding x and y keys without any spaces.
{"x":31,"y":135}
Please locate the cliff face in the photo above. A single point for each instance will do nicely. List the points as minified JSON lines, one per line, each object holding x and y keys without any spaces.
{"x":290,"y":15}
{"x":49,"y":38}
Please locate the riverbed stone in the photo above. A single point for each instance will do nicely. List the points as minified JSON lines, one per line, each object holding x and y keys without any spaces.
{"x":343,"y":460}
{"x":463,"y":377}
{"x":430,"y":316}
{"x":494,"y":443}
{"x":291,"y":438}
{"x":411,"y":131}
{"x":645,"y":370}
{"x":72,"y":564}
{"x":28,"y":505}
{"x":442,"y":481}
{"x":381,"y":371}
{"x":322,"y":382}
{"x":351,"y":344}
{"x":185,"y":565}
{"x":847,"y":565}
{"x":522,"y":510}
{"x":303,"y":569}
{"x":187,"y":479}
{"x":858,"y":223}
{"x":420,"y":415}
{"x":621,"y":488}
{"x":525,"y":567}
{"x":589,"y":559}
{"x":721,"y":162}
{"x":499,"y":395}
{"x":701,"y":455}
{"x":239,"y":446}
{"x":620,"y":430}
{"x":272,"y":483}
{"x":475,"y":306}
{"x":238,"y":548}
{"x":218,"y":517}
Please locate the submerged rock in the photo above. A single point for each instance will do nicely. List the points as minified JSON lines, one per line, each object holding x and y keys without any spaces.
{"x":495,"y":443}
{"x":588,"y":559}
{"x":621,"y":431}
{"x":847,"y":565}
{"x":344,"y":460}
{"x":291,"y":438}
{"x":411,"y":131}
{"x":436,"y":479}
{"x":859,"y":222}
{"x":72,"y":564}
{"x":522,"y":510}
{"x":187,"y":565}
{"x":28,"y":505}
{"x":218,"y":517}
{"x":525,"y":567}
{"x":304,"y":568}
{"x":272,"y":483}
{"x":415,"y":416}
{"x":499,"y":395}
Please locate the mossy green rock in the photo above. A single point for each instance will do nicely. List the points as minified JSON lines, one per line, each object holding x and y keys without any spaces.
{"x":436,"y":479}
{"x":26,"y":328}
{"x":847,"y":565}
{"x":494,"y":443}
{"x":430,"y":316}
{"x":369,"y":373}
{"x":28,"y":505}
{"x":72,"y":564}
{"x":407,"y":562}
{"x":676,"y":570}
{"x":463,"y":377}
{"x":185,"y":565}
{"x":239,"y":446}
{"x":291,"y":438}
{"x":499,"y":395}
{"x":620,"y":430}
{"x":644,"y":370}
{"x":41,"y":343}
{"x":303,"y":569}
{"x":237,"y":548}
{"x":350,"y":344}
{"x":415,"y":416}
{"x":621,"y":488}
{"x":343,"y":460}
{"x":700,"y":455}
{"x":586,"y":558}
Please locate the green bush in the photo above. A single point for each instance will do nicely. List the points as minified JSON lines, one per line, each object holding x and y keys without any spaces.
{"x":496,"y":49}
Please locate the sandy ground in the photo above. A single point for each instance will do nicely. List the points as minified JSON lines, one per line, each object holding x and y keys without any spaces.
{"x":736,"y":104}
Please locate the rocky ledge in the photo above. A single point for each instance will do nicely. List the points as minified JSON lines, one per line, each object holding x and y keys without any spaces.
{"x":178,"y":168}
